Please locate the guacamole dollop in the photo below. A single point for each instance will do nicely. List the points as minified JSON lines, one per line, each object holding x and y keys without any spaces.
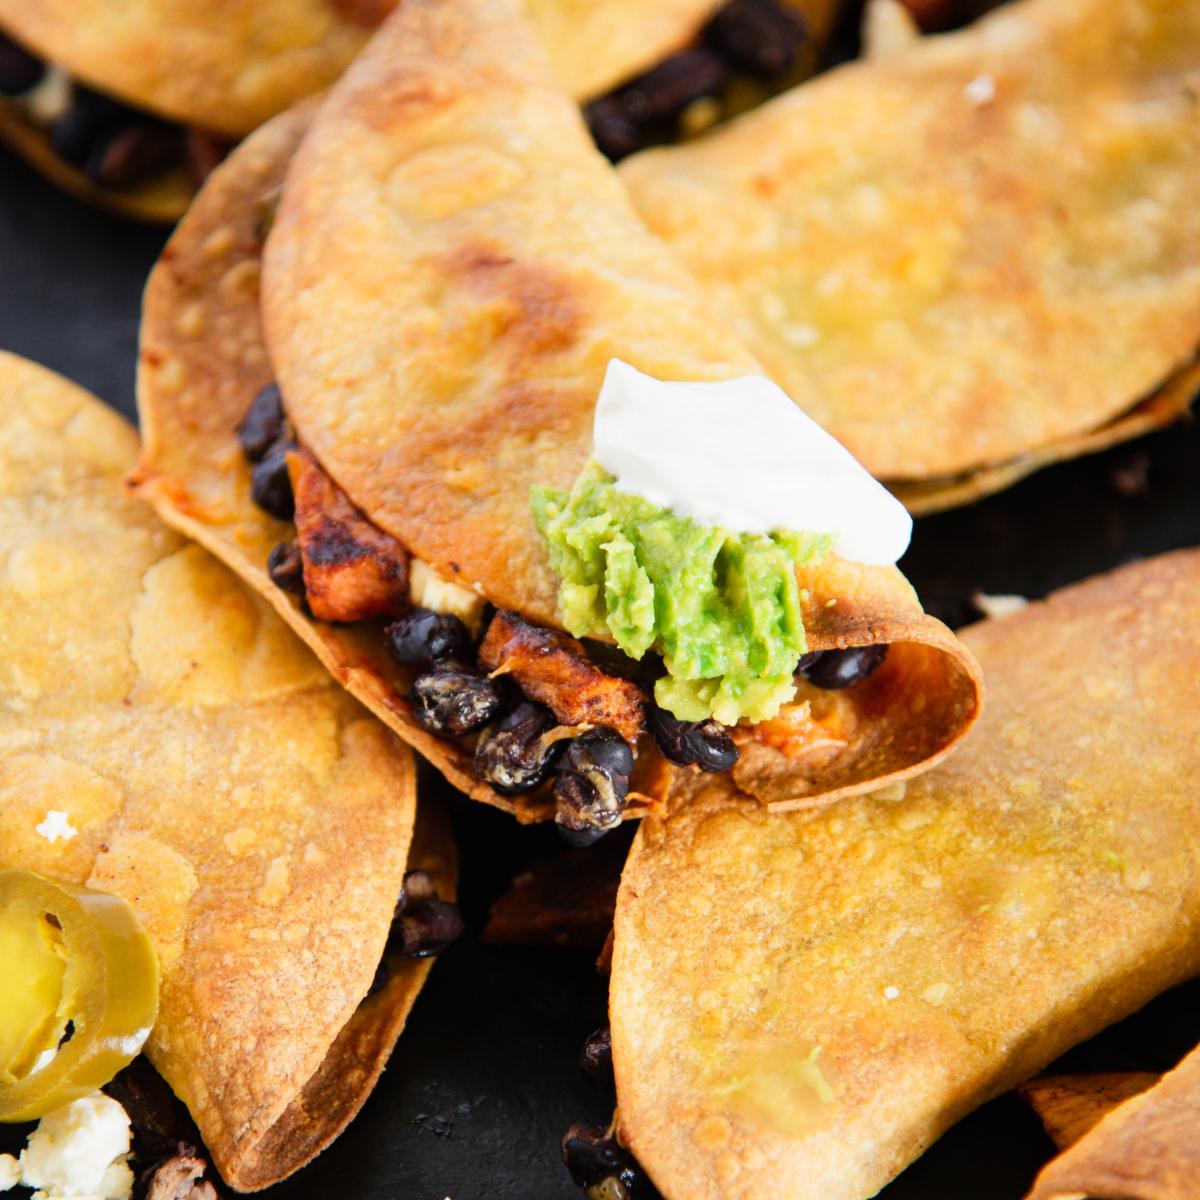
{"x":722,"y":608}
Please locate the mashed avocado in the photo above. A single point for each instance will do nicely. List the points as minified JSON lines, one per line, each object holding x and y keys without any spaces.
{"x":722,"y":608}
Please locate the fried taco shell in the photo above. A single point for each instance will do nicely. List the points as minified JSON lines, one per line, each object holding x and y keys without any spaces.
{"x":1145,"y":1149}
{"x":230,"y":65}
{"x":255,"y":816}
{"x":801,"y":1003}
{"x":969,"y":258}
{"x":1069,"y":1106}
{"x":480,"y":318}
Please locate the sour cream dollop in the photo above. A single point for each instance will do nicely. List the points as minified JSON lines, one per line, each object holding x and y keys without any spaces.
{"x":740,"y":454}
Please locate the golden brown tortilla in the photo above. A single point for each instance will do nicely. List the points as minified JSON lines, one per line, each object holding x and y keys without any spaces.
{"x":1147,"y":1149}
{"x":1165,"y":406}
{"x":230,"y":65}
{"x":254,"y":815}
{"x":801,"y":1003}
{"x":977,"y":252}
{"x":1071,"y":1105}
{"x":202,"y":362}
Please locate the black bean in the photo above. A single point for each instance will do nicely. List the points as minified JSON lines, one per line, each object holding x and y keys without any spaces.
{"x":595,"y":1059}
{"x":20,"y":71}
{"x":122,"y":158}
{"x":270,"y":484}
{"x":837,"y":669}
{"x":593,"y":1156}
{"x":513,"y":755}
{"x":451,"y":700}
{"x":615,"y":135}
{"x":426,"y":927}
{"x":591,"y":785}
{"x":762,"y":37}
{"x":705,"y":744}
{"x":74,"y":133}
{"x":614,"y":661}
{"x":286,"y":568}
{"x":421,"y":636}
{"x":264,"y":423}
{"x":665,"y":91}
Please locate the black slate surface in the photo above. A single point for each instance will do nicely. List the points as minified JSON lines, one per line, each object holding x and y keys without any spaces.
{"x":485,"y":1078}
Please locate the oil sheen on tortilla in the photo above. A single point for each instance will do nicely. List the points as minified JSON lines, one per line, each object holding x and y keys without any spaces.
{"x":802,"y":1003}
{"x":255,"y":816}
{"x":971,"y":255}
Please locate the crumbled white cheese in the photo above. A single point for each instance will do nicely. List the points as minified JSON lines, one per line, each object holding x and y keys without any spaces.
{"x":427,"y":589}
{"x":981,"y":90}
{"x":998,"y":606}
{"x":10,"y":1172}
{"x":78,"y":1153}
{"x":891,"y":992}
{"x":55,"y":826}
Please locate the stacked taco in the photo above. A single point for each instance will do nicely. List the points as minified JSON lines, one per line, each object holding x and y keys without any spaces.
{"x":969,"y":259}
{"x":167,"y":745}
{"x":131,"y":106}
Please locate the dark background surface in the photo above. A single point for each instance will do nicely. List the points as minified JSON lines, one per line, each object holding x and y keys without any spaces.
{"x":485,"y":1079}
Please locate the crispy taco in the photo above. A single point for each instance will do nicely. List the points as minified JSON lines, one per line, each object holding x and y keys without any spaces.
{"x":1144,"y":1149}
{"x":970,"y":258}
{"x":130,"y":108}
{"x":802,"y":1002}
{"x":165,"y":738}
{"x":452,"y":271}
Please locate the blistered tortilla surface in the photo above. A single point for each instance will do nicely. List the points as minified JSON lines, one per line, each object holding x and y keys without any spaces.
{"x":257,"y":819}
{"x":802,"y":1002}
{"x":966,"y":252}
{"x":203,"y":359}
{"x":230,"y":65}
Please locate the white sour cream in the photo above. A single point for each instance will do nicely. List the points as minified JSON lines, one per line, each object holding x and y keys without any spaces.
{"x":741,"y":455}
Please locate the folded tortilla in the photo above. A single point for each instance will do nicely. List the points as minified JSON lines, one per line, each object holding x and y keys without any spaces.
{"x":1145,"y":1149}
{"x":230,"y":65}
{"x":254,"y":815}
{"x":802,"y":1003}
{"x":970,"y":258}
{"x":457,"y":275}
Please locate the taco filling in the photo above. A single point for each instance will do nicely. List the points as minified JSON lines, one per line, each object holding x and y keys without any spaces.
{"x":114,"y":145}
{"x":696,"y":642}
